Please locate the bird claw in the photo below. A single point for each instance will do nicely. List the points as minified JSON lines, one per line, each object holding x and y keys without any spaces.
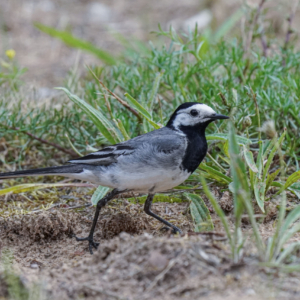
{"x":91,"y":242}
{"x":173,"y":230}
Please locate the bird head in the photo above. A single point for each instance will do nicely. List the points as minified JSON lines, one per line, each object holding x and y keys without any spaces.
{"x":193,"y":114}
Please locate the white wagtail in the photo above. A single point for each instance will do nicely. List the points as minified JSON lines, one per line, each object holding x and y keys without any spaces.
{"x":153,"y":162}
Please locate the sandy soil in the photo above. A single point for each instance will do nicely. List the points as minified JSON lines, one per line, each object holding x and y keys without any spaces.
{"x":49,"y":60}
{"x":135,"y":259}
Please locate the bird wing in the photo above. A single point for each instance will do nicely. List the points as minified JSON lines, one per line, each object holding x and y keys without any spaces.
{"x":105,"y":156}
{"x":158,"y":142}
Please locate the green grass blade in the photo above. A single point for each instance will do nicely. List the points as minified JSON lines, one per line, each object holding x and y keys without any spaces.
{"x":259,"y":160}
{"x":141,"y":110}
{"x":74,"y":42}
{"x":259,"y":192}
{"x":200,"y":213}
{"x":99,"y":120}
{"x":295,"y":189}
{"x":258,"y":238}
{"x":275,"y":241}
{"x":268,"y":249}
{"x":215,"y":174}
{"x":100,"y":192}
{"x":269,"y":147}
{"x":224,"y":137}
{"x":292,"y":179}
{"x":270,"y":178}
{"x":288,"y":251}
{"x":29,"y":187}
{"x":218,"y":211}
{"x":72,"y":146}
{"x":226,"y":148}
{"x":272,"y":154}
{"x":288,"y":235}
{"x":250,"y":160}
{"x":253,"y":179}
{"x":238,"y":168}
{"x":123,"y":130}
{"x":284,"y":268}
{"x":154,"y":90}
{"x":228,"y":24}
{"x":157,"y":198}
{"x":292,"y":217}
{"x":277,"y":184}
{"x":238,"y":171}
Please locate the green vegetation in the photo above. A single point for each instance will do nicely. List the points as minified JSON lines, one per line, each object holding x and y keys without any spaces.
{"x":254,"y":160}
{"x":72,"y":41}
{"x":10,"y":72}
{"x":12,"y":284}
{"x":273,"y":252}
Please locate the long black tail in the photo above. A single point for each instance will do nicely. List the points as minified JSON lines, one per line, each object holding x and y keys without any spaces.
{"x":67,"y":171}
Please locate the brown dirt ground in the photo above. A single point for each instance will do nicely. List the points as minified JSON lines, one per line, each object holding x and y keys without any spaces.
{"x":135,"y":259}
{"x":142,"y":262}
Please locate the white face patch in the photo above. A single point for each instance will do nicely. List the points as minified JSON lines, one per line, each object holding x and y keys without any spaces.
{"x":193,"y":115}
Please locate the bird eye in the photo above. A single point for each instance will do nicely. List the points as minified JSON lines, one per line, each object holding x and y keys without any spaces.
{"x":194,"y":113}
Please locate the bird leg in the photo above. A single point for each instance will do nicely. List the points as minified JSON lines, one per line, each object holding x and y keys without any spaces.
{"x":101,"y":203}
{"x":147,"y":209}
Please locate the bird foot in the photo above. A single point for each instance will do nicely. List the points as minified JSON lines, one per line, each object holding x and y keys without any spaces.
{"x":90,"y":239}
{"x":174,"y":230}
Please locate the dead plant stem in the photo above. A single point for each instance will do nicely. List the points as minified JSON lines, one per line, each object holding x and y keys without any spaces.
{"x":43,"y":141}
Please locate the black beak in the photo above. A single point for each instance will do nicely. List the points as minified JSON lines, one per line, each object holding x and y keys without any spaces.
{"x":219,"y":117}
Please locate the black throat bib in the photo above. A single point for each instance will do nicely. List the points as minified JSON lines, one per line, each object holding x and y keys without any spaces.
{"x":196,"y":148}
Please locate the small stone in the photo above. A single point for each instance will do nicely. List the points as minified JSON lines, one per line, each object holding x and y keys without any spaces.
{"x":124,"y":236}
{"x":34,"y":266}
{"x":202,"y":19}
{"x":99,"y":13}
{"x":250,"y":292}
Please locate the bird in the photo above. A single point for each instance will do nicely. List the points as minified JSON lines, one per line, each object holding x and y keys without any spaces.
{"x":153,"y":162}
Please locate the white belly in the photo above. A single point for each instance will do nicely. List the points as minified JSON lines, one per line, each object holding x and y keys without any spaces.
{"x":147,"y":181}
